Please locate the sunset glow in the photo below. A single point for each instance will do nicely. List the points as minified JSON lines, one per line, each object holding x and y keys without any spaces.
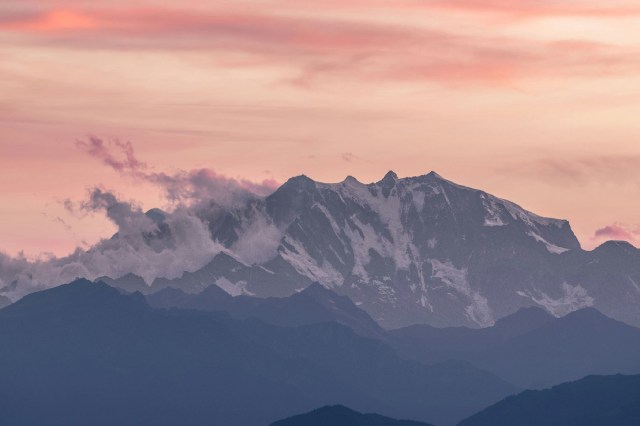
{"x":533,"y":101}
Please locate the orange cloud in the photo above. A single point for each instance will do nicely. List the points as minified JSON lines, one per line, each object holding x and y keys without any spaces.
{"x":53,"y":21}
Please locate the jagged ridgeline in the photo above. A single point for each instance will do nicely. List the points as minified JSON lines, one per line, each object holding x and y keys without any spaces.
{"x":413,"y":250}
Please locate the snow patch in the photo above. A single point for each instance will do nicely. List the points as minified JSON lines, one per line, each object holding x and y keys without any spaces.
{"x":572,"y":299}
{"x":552,"y":248}
{"x":492,"y":210}
{"x":492,"y":222}
{"x":418,"y":198}
{"x":305,"y":265}
{"x":385,"y":291}
{"x":478,"y":310}
{"x":424,"y":301}
{"x":334,"y":225}
{"x":525,"y":216}
{"x":234,"y":289}
{"x":390,"y":211}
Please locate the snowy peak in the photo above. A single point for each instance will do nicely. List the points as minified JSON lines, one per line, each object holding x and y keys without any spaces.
{"x":410,"y":250}
{"x":406,"y":241}
{"x":390,"y":177}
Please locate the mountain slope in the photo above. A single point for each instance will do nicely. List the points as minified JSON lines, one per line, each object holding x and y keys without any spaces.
{"x":4,"y":301}
{"x":592,"y":401}
{"x":338,"y":415}
{"x":200,"y":368}
{"x":531,"y":348}
{"x":414,"y":250}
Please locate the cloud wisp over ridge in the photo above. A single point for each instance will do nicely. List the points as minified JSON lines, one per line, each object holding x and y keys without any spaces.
{"x":165,"y":244}
{"x":182,"y":186}
{"x":150,"y":245}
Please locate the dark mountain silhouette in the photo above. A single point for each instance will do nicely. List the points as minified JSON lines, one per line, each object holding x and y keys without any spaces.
{"x":84,"y":353}
{"x":531,"y":348}
{"x":338,"y":415}
{"x":431,"y":344}
{"x":315,"y":304}
{"x":592,"y":401}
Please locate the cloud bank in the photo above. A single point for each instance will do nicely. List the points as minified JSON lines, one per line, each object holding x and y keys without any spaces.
{"x":149,"y":244}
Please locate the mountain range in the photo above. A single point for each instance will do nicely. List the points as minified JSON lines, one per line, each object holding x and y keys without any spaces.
{"x":174,"y":357}
{"x":531,"y":348}
{"x":313,"y":305}
{"x":85,"y":353}
{"x":408,"y":251}
{"x":592,"y":401}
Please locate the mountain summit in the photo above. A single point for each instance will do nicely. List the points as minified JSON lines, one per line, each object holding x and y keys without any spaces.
{"x":412,"y":250}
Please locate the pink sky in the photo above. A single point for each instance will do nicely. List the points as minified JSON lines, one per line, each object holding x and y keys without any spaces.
{"x":536,"y":101}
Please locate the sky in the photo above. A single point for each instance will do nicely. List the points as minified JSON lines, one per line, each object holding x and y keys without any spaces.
{"x":535,"y":101}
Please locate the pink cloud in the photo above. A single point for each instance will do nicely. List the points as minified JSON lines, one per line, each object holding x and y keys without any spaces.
{"x":316,"y":47}
{"x":523,"y":9}
{"x":617,"y":231}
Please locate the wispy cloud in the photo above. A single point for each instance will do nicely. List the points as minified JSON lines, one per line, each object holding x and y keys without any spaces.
{"x":316,"y":47}
{"x":160,"y":244}
{"x":537,"y":8}
{"x":116,"y":154}
{"x":184,"y":186}
{"x":579,"y":170}
{"x":348,"y":157}
{"x":617,"y":231}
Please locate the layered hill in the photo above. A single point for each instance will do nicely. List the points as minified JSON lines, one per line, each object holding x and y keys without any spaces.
{"x":531,"y":348}
{"x":339,"y":415}
{"x":313,"y":305}
{"x":592,"y":401}
{"x":84,"y":353}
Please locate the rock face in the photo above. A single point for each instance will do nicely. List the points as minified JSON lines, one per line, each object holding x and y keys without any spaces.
{"x":413,"y":250}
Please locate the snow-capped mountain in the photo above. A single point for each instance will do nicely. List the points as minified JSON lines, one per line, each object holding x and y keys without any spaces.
{"x":413,"y":250}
